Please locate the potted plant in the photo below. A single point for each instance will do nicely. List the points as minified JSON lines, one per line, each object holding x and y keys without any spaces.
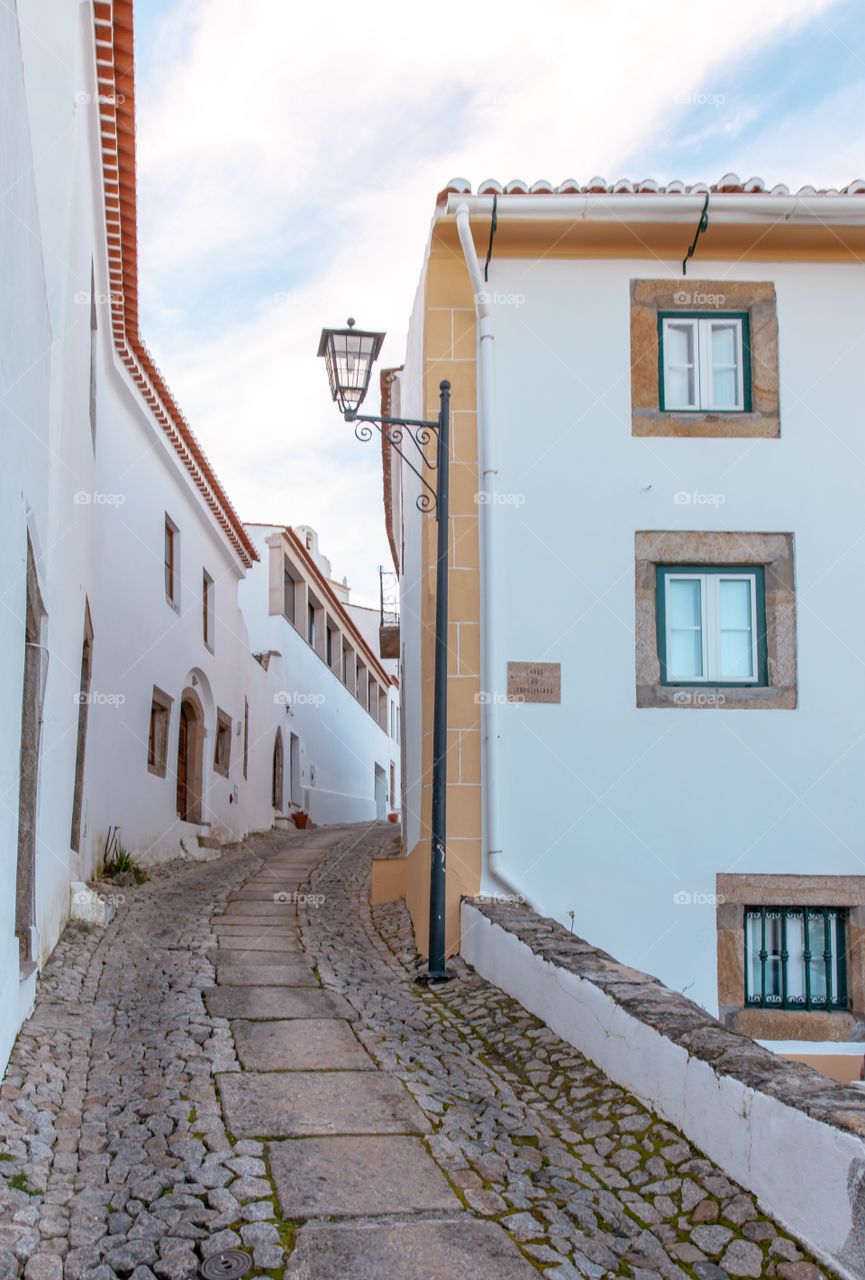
{"x":300,"y":819}
{"x":393,"y":817}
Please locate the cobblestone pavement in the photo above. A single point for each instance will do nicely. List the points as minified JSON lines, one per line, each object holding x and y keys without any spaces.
{"x":115,"y":1158}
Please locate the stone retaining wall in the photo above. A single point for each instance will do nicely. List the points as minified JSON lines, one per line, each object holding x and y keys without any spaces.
{"x":787,"y":1133}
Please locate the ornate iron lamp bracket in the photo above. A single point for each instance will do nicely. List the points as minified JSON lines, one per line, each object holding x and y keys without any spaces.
{"x":397,"y":432}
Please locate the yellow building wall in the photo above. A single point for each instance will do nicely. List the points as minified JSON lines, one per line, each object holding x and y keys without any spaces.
{"x":450,"y":351}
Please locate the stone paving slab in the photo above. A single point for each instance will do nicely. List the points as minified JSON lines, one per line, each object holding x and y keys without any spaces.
{"x":277,"y":933}
{"x":301,"y":1104}
{"x":225,"y":956}
{"x":357,"y":1177}
{"x":275,"y":1002}
{"x":268,"y":910}
{"x":264,"y":895}
{"x":456,"y":1249}
{"x":265,"y":975}
{"x":285,"y":947}
{"x":302,"y":1044}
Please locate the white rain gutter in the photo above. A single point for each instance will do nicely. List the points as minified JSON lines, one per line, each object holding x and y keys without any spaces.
{"x":488,"y":477}
{"x":723,"y":208}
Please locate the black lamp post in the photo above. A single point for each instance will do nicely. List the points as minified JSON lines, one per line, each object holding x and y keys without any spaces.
{"x":349,"y":355}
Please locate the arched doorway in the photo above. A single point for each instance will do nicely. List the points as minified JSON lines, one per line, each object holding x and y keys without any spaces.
{"x":190,"y":758}
{"x":278,"y":785}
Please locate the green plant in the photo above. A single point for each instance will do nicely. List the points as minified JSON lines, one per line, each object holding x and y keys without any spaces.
{"x":19,"y":1183}
{"x":119,"y":862}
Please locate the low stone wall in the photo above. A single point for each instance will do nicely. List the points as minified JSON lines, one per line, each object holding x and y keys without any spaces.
{"x":780,"y":1129}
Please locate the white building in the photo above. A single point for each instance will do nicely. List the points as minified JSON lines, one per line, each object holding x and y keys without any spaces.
{"x":135,"y":704}
{"x":340,"y":704}
{"x":657,"y":692}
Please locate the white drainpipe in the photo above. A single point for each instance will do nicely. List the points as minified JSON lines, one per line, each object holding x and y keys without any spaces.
{"x":488,"y":480}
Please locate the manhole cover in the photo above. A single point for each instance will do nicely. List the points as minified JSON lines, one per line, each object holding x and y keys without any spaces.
{"x":230,"y":1264}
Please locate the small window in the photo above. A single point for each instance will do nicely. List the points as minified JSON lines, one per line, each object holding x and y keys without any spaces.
{"x":288,"y":593}
{"x":711,"y":625}
{"x":157,"y":742}
{"x":310,"y":624}
{"x":207,"y":608}
{"x":705,"y":363}
{"x":329,"y":648}
{"x":171,"y":548}
{"x":796,"y":957}
{"x":222,"y":749}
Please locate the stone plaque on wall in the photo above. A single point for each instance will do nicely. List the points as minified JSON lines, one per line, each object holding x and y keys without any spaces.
{"x":534,"y":682}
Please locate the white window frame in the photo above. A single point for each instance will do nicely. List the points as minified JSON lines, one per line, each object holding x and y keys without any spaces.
{"x":704,"y":392}
{"x":710,"y":627}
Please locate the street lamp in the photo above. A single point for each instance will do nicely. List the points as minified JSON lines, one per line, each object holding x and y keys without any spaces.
{"x":349,"y":355}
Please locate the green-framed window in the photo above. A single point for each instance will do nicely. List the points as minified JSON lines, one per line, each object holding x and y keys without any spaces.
{"x":704,"y":362}
{"x":796,"y":957}
{"x":711,"y":624}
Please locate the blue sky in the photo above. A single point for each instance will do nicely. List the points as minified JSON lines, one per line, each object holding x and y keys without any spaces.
{"x":289,"y":158}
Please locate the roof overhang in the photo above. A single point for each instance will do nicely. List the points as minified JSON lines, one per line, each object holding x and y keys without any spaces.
{"x":807,"y":225}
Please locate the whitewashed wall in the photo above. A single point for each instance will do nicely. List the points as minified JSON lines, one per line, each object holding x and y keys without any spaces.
{"x":606,"y":810}
{"x":95,"y":516}
{"x":367,"y":621}
{"x":45,"y":235}
{"x":340,"y":742}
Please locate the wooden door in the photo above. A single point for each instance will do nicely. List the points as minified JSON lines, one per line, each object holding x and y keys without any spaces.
{"x":183,"y":763}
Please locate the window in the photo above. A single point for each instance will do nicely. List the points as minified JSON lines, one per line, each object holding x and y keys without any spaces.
{"x":207,"y":608}
{"x":310,"y":624}
{"x":704,"y":363}
{"x":796,"y":957}
{"x":711,"y":625}
{"x":347,"y":666}
{"x":245,"y":737}
{"x":288,"y":589}
{"x":329,"y":647}
{"x":171,"y":549}
{"x":222,"y":749}
{"x":157,"y":742}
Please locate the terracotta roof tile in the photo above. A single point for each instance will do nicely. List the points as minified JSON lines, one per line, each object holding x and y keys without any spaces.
{"x":729,"y":184}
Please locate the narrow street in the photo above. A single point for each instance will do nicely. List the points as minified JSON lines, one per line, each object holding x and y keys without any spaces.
{"x":241,"y":1061}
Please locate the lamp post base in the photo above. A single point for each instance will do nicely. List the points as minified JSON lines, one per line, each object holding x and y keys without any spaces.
{"x":430,"y":978}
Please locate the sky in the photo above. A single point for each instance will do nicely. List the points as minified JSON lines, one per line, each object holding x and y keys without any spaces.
{"x":290,"y":155}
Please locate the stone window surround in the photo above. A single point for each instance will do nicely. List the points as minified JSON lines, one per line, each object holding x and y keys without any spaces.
{"x":774,"y":551}
{"x":757,"y":298}
{"x":223,"y":734}
{"x":165,"y":702}
{"x":735,"y":892}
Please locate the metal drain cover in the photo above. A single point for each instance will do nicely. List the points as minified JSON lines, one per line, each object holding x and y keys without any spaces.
{"x":229,"y":1264}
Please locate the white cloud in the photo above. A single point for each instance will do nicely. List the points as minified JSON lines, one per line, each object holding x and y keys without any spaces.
{"x":315,"y":138}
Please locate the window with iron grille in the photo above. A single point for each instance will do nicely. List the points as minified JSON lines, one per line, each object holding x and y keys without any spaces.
{"x":796,"y":957}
